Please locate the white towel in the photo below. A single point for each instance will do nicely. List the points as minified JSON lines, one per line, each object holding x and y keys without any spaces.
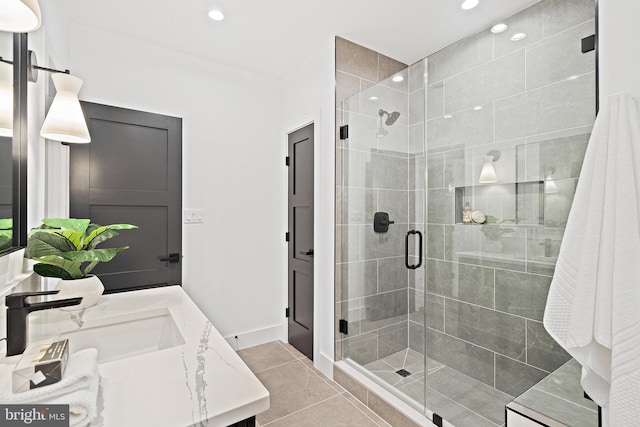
{"x":593,"y":307}
{"x":78,"y":388}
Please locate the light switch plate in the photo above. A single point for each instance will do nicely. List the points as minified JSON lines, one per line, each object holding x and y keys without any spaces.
{"x":194,"y":216}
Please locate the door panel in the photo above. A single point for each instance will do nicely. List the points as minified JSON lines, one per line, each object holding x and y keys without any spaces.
{"x":301,"y":285}
{"x":131,"y":172}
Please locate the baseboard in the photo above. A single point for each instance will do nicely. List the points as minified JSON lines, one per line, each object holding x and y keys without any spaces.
{"x":256,"y":337}
{"x":324,"y":364}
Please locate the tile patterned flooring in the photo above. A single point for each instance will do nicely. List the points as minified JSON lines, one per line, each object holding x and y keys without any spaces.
{"x":301,"y":395}
{"x":459,"y":399}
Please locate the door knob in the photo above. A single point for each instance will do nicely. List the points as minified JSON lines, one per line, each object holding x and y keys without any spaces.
{"x":308,"y":253}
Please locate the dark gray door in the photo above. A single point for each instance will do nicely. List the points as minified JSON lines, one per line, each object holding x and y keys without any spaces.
{"x":301,"y":240}
{"x":131,"y":172}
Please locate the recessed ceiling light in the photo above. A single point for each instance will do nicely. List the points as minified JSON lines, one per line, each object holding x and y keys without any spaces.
{"x":469,"y":4}
{"x":479,"y":107}
{"x":216,"y":15}
{"x":573,"y":77}
{"x":398,"y":79}
{"x":518,"y":36}
{"x":499,"y":28}
{"x":447,"y":116}
{"x":373,"y":98}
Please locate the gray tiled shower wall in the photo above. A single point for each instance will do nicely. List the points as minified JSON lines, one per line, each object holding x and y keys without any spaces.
{"x":372,"y":290}
{"x":533,"y":100}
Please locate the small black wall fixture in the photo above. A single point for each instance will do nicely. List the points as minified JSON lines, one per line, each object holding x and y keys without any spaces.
{"x":381,"y":222}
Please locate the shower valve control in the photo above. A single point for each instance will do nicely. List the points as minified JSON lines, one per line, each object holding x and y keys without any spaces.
{"x":381,"y":222}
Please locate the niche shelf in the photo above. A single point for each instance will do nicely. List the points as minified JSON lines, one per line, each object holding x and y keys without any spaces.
{"x":520,"y":202}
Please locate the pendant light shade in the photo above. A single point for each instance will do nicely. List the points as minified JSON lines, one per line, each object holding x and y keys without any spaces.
{"x":6,"y":99}
{"x":65,"y":120}
{"x":488,"y":173}
{"x":19,"y":16}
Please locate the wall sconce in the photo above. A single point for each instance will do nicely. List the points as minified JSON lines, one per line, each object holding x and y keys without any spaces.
{"x":488,"y":173}
{"x":6,"y":99}
{"x":20,"y":16}
{"x":65,"y":120}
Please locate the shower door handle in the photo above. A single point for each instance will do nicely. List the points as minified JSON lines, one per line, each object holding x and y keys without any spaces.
{"x":406,"y":250}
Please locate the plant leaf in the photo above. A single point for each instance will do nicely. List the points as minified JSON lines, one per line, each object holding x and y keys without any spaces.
{"x":75,"y":237}
{"x":90,"y":267}
{"x":79,"y":225}
{"x":99,"y":238}
{"x":42,"y":243}
{"x":71,"y":267}
{"x":48,"y":270}
{"x":6,"y":224}
{"x":100,"y":255}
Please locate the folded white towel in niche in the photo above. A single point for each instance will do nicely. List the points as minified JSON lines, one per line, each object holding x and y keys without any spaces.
{"x":593,"y":307}
{"x":78,"y":388}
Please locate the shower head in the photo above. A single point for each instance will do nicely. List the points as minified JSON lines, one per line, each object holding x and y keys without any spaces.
{"x":391,"y":117}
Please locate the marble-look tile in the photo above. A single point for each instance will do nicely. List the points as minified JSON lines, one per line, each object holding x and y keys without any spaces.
{"x":353,"y":168}
{"x":334,"y":411}
{"x":556,"y":157}
{"x":460,"y":56}
{"x":541,"y":21}
{"x":455,"y":167}
{"x":440,"y":207}
{"x":265,"y":356}
{"x":416,"y":139}
{"x":392,"y":339}
{"x":395,"y":144}
{"x":513,"y":377}
{"x":417,"y":75}
{"x":348,"y":238}
{"x":355,"y":205}
{"x":469,"y":128}
{"x":435,"y":241}
{"x":387,"y":98}
{"x":435,"y":171}
{"x":292,"y":387}
{"x":416,"y":107}
{"x":561,"y":410}
{"x":443,"y":406}
{"x":417,"y":167}
{"x":542,"y":350}
{"x":389,"y":305}
{"x":499,"y":332}
{"x":395,"y":203}
{"x":416,"y":336}
{"x":291,"y":349}
{"x":416,"y":206}
{"x":362,"y":132}
{"x":392,"y":274}
{"x":347,"y":85}
{"x":565,"y":383}
{"x":362,"y":407}
{"x":522,"y":294}
{"x":570,"y":103}
{"x":471,"y":419}
{"x":464,"y":357}
{"x":493,"y":80}
{"x":415,"y":390}
{"x":435,"y":312}
{"x":356,"y":60}
{"x":388,"y":412}
{"x":362,"y":348}
{"x":357,"y":279}
{"x":400,"y":70}
{"x":435,"y":100}
{"x":351,"y":385}
{"x":388,"y":67}
{"x":385,"y":172}
{"x":562,"y":50}
{"x":558,"y":203}
{"x":464,"y":282}
{"x":383,"y":245}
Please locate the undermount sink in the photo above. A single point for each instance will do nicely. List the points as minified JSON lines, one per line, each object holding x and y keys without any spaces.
{"x":123,"y":336}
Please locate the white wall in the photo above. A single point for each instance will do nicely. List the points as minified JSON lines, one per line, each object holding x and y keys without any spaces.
{"x":232,"y":166}
{"x":308,"y":96}
{"x":619,"y":32}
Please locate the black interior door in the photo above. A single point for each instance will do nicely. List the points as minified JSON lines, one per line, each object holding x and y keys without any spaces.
{"x":301,"y":240}
{"x":131,"y":172}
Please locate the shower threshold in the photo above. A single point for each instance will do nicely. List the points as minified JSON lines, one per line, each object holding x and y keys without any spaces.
{"x":458,"y":398}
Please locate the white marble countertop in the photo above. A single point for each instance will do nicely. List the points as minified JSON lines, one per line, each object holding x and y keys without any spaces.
{"x":200,"y":382}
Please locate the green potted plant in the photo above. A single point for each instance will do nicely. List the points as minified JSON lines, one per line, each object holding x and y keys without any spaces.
{"x":6,"y":233}
{"x":66,"y":248}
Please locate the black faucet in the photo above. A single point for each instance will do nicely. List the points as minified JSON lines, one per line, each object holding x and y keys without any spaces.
{"x":17,"y":311}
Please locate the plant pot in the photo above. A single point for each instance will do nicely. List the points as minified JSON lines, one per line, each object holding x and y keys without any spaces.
{"x":90,"y":288}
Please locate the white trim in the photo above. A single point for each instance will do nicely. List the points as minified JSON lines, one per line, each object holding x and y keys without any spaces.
{"x":255,"y":337}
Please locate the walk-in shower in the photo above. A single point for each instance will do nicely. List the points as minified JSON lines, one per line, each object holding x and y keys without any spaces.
{"x":461,"y":335}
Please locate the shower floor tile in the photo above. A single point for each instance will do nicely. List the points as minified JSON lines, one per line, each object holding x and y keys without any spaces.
{"x":461,"y":400}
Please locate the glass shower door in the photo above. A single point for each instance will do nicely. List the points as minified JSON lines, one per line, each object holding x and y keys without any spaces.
{"x":380,"y":217}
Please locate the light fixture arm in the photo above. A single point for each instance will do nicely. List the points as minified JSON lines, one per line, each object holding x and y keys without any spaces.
{"x":33,"y":67}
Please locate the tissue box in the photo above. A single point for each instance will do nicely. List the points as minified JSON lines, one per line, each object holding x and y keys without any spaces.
{"x":41,"y":364}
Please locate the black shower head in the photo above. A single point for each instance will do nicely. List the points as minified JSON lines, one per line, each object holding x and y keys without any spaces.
{"x":391,"y":117}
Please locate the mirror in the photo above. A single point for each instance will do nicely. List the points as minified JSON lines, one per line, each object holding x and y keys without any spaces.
{"x":6,"y":164}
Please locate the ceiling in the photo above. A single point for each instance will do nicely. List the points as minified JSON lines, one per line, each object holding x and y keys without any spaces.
{"x":272,"y":37}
